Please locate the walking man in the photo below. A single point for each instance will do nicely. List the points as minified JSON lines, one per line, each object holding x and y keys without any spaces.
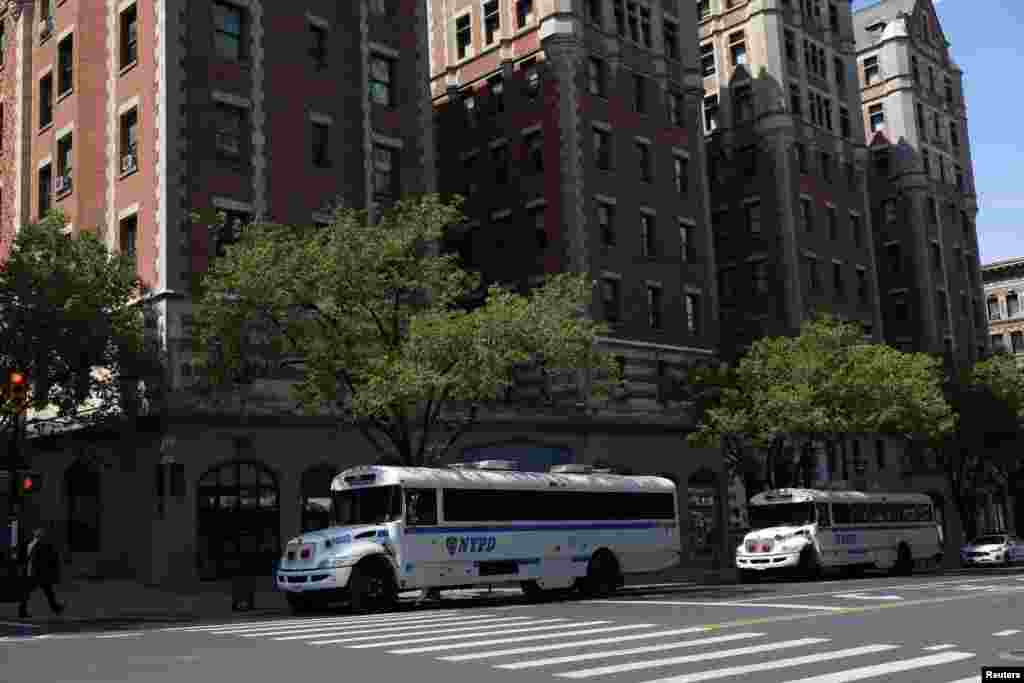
{"x":42,"y":571}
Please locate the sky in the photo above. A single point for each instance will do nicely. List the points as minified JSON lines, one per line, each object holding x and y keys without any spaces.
{"x":987,"y":42}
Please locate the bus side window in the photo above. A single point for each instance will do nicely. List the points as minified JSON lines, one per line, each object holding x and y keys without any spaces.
{"x":420,"y":507}
{"x":824,"y":519}
{"x":841,"y":513}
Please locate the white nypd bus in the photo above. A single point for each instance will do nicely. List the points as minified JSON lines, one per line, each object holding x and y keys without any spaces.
{"x":409,"y":528}
{"x":809,"y":530}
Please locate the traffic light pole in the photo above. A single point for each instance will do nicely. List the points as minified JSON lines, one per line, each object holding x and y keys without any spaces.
{"x":14,"y":461}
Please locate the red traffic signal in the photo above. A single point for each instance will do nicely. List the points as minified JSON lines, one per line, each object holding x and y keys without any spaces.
{"x":17,"y":378}
{"x":16,"y":388}
{"x":29,"y":483}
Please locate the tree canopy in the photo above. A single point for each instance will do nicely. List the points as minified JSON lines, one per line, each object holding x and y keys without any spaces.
{"x":377,"y":321}
{"x":67,"y":321}
{"x":825,"y":384}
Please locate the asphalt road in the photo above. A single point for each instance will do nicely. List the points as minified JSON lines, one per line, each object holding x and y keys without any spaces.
{"x":926,"y":628}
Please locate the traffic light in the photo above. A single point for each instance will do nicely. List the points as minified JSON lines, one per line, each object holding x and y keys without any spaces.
{"x":29,"y":483}
{"x":17,"y":387}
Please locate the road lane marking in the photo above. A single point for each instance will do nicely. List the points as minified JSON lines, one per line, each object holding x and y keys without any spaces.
{"x":775,"y":664}
{"x":387,"y":639}
{"x":377,"y":633}
{"x":532,"y":663}
{"x":366,"y":628}
{"x":1008,"y":632}
{"x":862,"y":596}
{"x":689,"y":603}
{"x":517,"y":639}
{"x":337,"y":623}
{"x":909,"y":587}
{"x":936,"y":648}
{"x":887,"y":668}
{"x":572,"y":644}
{"x":972,"y":679}
{"x":294,"y":621}
{"x":688,"y":659}
{"x":123,"y":635}
{"x":683,"y":584}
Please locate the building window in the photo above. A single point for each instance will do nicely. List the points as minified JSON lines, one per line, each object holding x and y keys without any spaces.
{"x":743,"y":101}
{"x":594,"y":12}
{"x":801,"y":157}
{"x":65,"y":65}
{"x":532,"y":77}
{"x":597,"y":82}
{"x":931,"y":78}
{"x":129,"y":36}
{"x":703,"y":9}
{"x":894,"y":257}
{"x":959,"y":175}
{"x":499,"y":157}
{"x":318,"y":46}
{"x":129,"y":141}
{"x":998,"y":343}
{"x":681,"y":174}
{"x":647,"y":236}
{"x":844,"y":123}
{"x":933,"y":211}
{"x":738,"y":48}
{"x":862,"y":285}
{"x":856,"y":229}
{"x":539,"y":228}
{"x":710,"y":113}
{"x":619,"y":9}
{"x":826,"y":167}
{"x":639,"y":94}
{"x":876,"y":117}
{"x":654,"y":307}
{"x":941,"y":307}
{"x":231,"y":232}
{"x":606,"y":223}
{"x":840,"y":70}
{"x":727,"y":282}
{"x":230,"y":126}
{"x":3,"y":41}
{"x":796,"y":105}
{"x":643,"y":153}
{"x":492,"y":21}
{"x":838,"y":284}
{"x":936,"y":258}
{"x":1017,"y":342}
{"x":524,"y":13}
{"x":45,"y":190}
{"x":46,"y":100}
{"x":602,"y":149}
{"x":463,"y":36}
{"x":790,"y":46}
{"x":915,"y":70}
{"x":949,"y":89}
{"x":496,"y":87}
{"x":385,"y":173}
{"x":851,"y":177}
{"x":688,"y":246}
{"x":534,"y":152}
{"x":65,"y":165}
{"x":753,"y":215}
{"x":671,"y":38}
{"x":833,"y":223}
{"x":889,"y":211}
{"x":806,"y":214}
{"x":382,"y":89}
{"x":227,"y":25}
{"x":759,"y":277}
{"x":674,"y":105}
{"x":870,"y":70}
{"x":954,"y":135}
{"x":926,"y":162}
{"x":692,"y":304}
{"x":321,"y":145}
{"x":1012,"y":305}
{"x":813,"y":276}
{"x":129,"y":230}
{"x":469,"y":106}
{"x":610,"y":299}
{"x":880,"y":160}
{"x":645,"y":24}
{"x":707,"y":59}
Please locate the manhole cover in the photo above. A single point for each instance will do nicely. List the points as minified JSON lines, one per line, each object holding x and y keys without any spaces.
{"x":1015,"y":655}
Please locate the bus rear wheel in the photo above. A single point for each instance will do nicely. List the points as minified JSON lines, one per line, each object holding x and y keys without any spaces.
{"x":904,"y":561}
{"x":533,"y":591}
{"x":603,"y":575}
{"x":372,"y":588}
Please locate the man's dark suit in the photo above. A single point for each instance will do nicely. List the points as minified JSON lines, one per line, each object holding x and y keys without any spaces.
{"x":42,"y":564}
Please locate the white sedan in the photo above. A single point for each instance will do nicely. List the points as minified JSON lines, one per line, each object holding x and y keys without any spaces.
{"x":1001,"y":549}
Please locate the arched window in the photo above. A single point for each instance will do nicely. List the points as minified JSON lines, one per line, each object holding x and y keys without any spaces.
{"x":82,"y":485}
{"x":993,"y":308}
{"x":316,"y":497}
{"x":1012,"y":305}
{"x":239,"y":520}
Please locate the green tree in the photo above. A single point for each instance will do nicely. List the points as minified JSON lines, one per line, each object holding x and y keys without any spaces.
{"x":826,"y":384}
{"x":376,"y":320}
{"x":67,"y":321}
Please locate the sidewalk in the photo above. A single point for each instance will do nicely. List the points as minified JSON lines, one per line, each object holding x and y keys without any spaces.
{"x":122,"y":602}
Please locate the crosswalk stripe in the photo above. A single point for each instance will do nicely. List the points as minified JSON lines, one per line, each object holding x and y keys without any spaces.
{"x":936,"y":648}
{"x":335,"y":623}
{"x":295,"y":620}
{"x":532,"y":663}
{"x":708,"y":603}
{"x":887,"y":668}
{"x":972,"y":679}
{"x":574,"y":643}
{"x":376,"y":634}
{"x":1008,"y":632}
{"x":687,"y":659}
{"x":366,"y":628}
{"x":384,"y":640}
{"x":520,"y":639}
{"x":776,"y":664}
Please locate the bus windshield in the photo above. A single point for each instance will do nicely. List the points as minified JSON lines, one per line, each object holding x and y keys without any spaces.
{"x":371,"y":505}
{"x":781,"y":514}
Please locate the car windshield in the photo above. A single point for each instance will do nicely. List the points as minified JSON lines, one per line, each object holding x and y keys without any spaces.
{"x":371,"y":505}
{"x":989,"y":540}
{"x":781,"y":514}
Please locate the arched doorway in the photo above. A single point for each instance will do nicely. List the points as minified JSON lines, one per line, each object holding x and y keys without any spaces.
{"x":702,"y":507}
{"x":316,"y":497}
{"x":239,"y":520}
{"x":82,"y":487}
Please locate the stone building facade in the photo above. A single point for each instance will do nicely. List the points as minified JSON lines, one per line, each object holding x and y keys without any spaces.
{"x":1004,"y":294}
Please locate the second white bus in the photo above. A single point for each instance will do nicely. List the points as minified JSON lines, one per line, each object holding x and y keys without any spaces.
{"x":808,"y":530}
{"x":407,"y":528}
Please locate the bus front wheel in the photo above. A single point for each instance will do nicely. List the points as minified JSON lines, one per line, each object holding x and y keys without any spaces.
{"x":810,"y":563}
{"x":603,"y":575}
{"x":372,"y":588}
{"x":904,"y":561}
